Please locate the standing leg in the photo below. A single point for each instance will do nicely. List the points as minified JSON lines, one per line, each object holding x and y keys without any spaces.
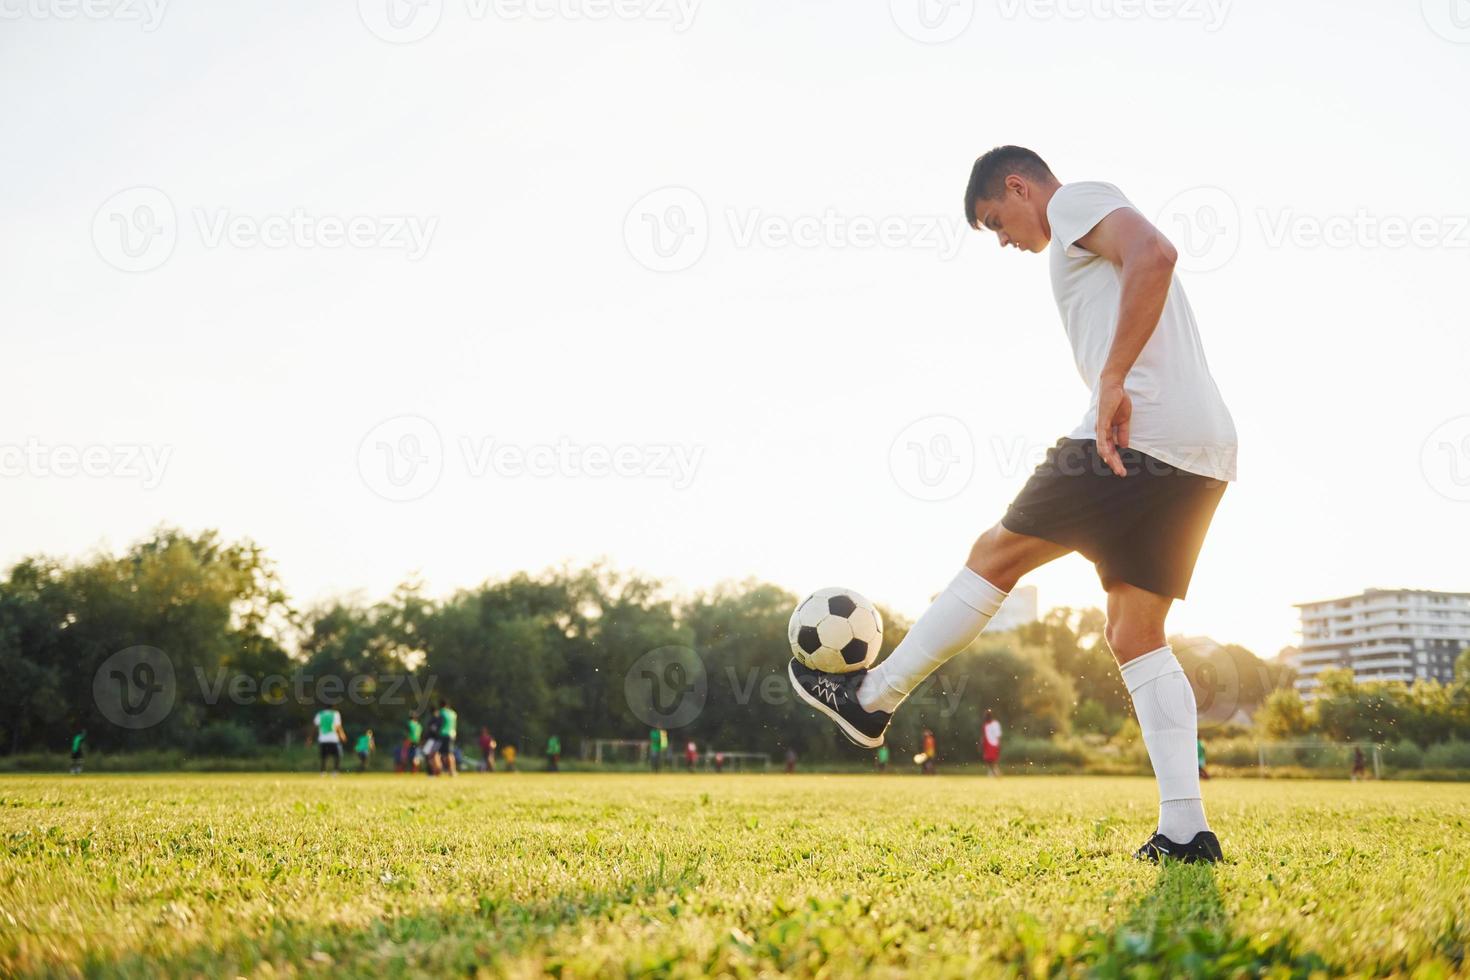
{"x":1164,"y":702}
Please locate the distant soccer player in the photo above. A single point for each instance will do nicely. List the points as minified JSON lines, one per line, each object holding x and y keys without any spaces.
{"x":880,"y":761}
{"x":412,"y":735}
{"x":329,"y":738}
{"x":1203,"y":772}
{"x":990,"y":743}
{"x":433,"y":724}
{"x":364,"y":748}
{"x":509,"y":754}
{"x":931,"y":749}
{"x":553,"y":754}
{"x":76,"y":751}
{"x":448,"y":730}
{"x":691,"y":755}
{"x":1133,"y":487}
{"x":487,"y":750}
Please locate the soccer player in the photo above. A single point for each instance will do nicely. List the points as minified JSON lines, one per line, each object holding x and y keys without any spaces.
{"x":553,"y":754}
{"x":430,"y":747}
{"x":329,"y":738}
{"x":364,"y":748}
{"x":990,"y":743}
{"x":930,"y":765}
{"x":413,"y":734}
{"x":448,"y":730}
{"x":487,"y":749}
{"x":1132,"y":488}
{"x":76,"y":751}
{"x":880,"y":761}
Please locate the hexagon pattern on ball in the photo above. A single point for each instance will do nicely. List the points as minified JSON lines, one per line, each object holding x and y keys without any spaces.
{"x":835,"y":630}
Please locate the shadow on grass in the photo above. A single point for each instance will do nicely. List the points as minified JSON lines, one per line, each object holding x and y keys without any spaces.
{"x":453,"y":941}
{"x":1181,"y":928}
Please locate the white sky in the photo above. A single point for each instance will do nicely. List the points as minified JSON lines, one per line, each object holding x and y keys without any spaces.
{"x":789,"y":369}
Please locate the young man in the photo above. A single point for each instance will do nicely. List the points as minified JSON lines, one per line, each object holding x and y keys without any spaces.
{"x":411,"y":738}
{"x":364,"y":748}
{"x":990,"y":743}
{"x":76,"y":751}
{"x":448,"y":732}
{"x":329,"y":738}
{"x":1132,"y":488}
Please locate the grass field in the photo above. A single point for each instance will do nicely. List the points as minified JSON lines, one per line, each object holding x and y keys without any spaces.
{"x":677,"y":874}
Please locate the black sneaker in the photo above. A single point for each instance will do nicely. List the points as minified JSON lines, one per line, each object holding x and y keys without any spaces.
{"x":1205,"y":847}
{"x":835,"y":695}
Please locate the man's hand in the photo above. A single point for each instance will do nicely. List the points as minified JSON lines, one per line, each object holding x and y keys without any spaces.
{"x":1114,"y":410}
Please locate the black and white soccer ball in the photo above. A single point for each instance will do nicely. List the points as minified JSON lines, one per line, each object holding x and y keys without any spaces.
{"x":835,"y":630}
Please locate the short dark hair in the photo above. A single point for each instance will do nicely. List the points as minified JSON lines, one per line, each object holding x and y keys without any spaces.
{"x":988,"y":176}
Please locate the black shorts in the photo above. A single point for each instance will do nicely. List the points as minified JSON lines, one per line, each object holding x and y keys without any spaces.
{"x":330,"y":749}
{"x":446,"y":744}
{"x":1145,"y":529}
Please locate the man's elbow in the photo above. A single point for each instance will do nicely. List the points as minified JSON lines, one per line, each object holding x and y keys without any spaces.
{"x":1164,"y":254}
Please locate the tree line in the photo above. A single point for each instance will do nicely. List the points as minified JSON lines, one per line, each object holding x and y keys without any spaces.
{"x":528,"y":656}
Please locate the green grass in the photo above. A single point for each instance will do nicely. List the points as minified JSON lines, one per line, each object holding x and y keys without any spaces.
{"x":580,"y":875}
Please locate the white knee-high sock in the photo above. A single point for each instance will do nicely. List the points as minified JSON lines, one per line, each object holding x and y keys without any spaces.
{"x":948,"y":626}
{"x":1164,"y":703}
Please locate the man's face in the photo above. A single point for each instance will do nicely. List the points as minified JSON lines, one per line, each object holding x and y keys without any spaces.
{"x":1016,"y":216}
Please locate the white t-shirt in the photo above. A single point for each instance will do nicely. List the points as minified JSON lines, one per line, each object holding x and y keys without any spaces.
{"x":327,"y":723}
{"x":1178,"y":414}
{"x":992,"y":732}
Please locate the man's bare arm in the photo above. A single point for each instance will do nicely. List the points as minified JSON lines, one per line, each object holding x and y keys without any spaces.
{"x":1145,"y":261}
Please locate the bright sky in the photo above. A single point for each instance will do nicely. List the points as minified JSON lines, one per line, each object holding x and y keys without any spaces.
{"x":513,"y":307}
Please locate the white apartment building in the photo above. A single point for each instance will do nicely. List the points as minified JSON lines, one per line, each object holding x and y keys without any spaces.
{"x":1384,"y":635}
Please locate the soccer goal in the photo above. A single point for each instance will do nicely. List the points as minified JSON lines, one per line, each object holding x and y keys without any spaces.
{"x":615,"y":751}
{"x":1342,"y":756}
